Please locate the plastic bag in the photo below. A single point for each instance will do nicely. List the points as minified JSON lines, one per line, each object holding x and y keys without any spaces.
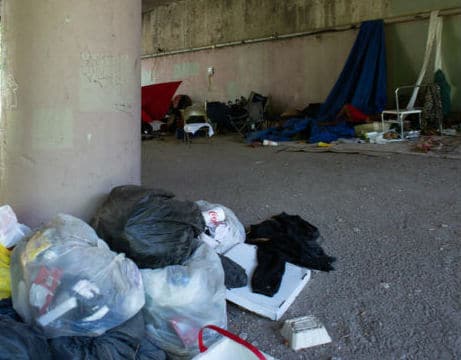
{"x":11,"y":232}
{"x":5,"y":281}
{"x":181,"y":299}
{"x":66,"y":281}
{"x":149,"y":226}
{"x":224,"y":228}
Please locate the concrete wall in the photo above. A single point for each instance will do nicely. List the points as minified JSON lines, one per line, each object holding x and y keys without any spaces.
{"x":193,"y":23}
{"x":296,"y":71}
{"x":69,"y":128}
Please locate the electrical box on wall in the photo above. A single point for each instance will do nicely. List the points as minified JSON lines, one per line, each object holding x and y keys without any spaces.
{"x":210,"y":70}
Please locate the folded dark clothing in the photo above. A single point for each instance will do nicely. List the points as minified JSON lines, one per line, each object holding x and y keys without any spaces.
{"x":268,"y":275}
{"x":285,"y":238}
{"x":234,"y":275}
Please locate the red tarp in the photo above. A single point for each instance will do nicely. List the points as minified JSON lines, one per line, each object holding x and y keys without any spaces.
{"x":156,"y":99}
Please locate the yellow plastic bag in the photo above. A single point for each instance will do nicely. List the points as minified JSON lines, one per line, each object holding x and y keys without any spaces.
{"x":5,"y":281}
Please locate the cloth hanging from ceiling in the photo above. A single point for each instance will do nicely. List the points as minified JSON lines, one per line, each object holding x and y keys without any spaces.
{"x":434,"y":39}
{"x":362,"y":83}
{"x":156,"y":99}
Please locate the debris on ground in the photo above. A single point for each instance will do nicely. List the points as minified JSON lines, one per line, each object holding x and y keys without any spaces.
{"x":148,"y":279}
{"x":223,"y":228}
{"x":304,"y":332}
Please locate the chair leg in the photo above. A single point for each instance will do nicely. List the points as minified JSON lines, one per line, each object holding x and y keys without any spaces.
{"x":382,"y":121}
{"x":187,"y":138}
{"x":400,"y":117}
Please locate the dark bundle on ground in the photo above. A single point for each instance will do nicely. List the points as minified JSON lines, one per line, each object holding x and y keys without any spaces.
{"x":284,"y":238}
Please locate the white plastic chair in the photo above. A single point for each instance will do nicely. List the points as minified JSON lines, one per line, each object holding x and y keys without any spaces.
{"x":399,"y":114}
{"x":195,"y":118}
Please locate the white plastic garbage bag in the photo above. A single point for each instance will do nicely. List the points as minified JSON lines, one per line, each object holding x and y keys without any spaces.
{"x":181,"y":299}
{"x":66,"y":281}
{"x":11,"y":232}
{"x":224,"y":230}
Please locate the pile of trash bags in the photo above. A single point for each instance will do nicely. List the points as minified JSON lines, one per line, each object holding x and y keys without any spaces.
{"x":139,"y":283}
{"x":183,"y":277}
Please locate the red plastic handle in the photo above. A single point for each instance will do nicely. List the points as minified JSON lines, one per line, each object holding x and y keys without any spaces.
{"x":231,"y":336}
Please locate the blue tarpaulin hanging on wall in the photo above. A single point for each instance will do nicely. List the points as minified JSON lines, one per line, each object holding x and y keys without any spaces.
{"x":361,"y":83}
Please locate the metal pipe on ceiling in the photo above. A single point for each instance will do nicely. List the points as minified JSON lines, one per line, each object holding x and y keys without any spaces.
{"x":392,"y":20}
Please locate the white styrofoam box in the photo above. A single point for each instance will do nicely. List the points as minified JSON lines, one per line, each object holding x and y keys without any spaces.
{"x":294,"y":280}
{"x":227,"y":349}
{"x":304,"y":332}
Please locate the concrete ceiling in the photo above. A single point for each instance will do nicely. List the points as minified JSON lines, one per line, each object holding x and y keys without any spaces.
{"x":150,"y":4}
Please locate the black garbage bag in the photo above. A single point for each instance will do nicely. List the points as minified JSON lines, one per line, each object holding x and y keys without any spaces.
{"x":19,"y":340}
{"x":162,"y":232}
{"x":112,"y":215}
{"x":234,"y":275}
{"x":149,"y":351}
{"x":284,"y":238}
{"x":6,"y":308}
{"x":149,"y":226}
{"x":127,"y":341}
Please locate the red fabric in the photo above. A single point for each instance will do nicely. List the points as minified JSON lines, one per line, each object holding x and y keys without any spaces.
{"x":355,"y":115}
{"x":146,"y":117}
{"x":156,"y":99}
{"x":231,"y":336}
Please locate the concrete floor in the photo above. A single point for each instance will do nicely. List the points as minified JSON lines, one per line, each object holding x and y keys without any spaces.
{"x":392,"y":222}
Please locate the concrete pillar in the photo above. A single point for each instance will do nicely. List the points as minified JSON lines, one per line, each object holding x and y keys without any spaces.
{"x":70,"y":125}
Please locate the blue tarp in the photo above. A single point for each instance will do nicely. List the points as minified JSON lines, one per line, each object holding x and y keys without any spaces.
{"x":361,"y":83}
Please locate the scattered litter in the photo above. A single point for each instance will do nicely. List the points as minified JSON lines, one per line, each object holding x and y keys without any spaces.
{"x":304,"y":332}
{"x":223,"y":228}
{"x":385,"y":285}
{"x":231,"y":347}
{"x":270,"y":143}
{"x":373,"y":127}
{"x":11,"y":232}
{"x":448,"y":147}
{"x":444,"y":225}
{"x":5,"y":279}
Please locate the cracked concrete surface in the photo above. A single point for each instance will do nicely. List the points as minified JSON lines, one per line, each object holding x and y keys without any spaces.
{"x":392,"y":222}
